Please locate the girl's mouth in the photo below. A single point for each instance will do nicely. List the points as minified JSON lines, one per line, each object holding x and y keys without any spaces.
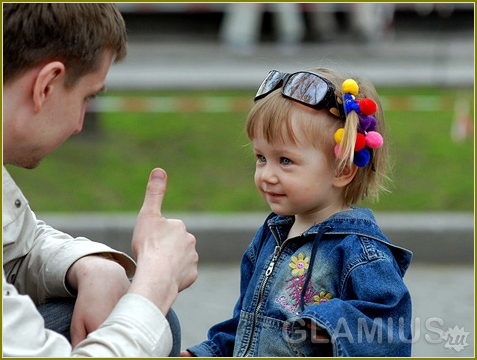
{"x":273,"y":195}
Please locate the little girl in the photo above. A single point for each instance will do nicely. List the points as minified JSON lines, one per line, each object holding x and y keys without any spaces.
{"x":319,"y":278}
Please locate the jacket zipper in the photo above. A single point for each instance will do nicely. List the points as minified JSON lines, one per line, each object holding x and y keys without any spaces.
{"x":276,"y":254}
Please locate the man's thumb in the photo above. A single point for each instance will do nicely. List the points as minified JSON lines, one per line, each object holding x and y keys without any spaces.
{"x":155,"y":191}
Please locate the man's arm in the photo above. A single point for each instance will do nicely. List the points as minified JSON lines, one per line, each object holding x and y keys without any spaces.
{"x":136,"y":327}
{"x":99,"y":283}
{"x":167,"y":264}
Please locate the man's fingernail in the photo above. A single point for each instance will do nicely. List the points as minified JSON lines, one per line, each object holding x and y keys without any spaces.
{"x":158,"y":175}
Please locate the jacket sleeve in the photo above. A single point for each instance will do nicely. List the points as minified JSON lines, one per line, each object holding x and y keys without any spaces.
{"x":372,"y":316}
{"x":221,"y":337}
{"x":135,"y":328}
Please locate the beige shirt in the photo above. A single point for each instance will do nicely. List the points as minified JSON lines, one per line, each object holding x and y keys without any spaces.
{"x":36,"y":258}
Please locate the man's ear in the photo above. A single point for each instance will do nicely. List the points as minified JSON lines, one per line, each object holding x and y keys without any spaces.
{"x":346,"y":176}
{"x":47,"y":79}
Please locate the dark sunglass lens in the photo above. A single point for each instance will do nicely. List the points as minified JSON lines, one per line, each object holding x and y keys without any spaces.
{"x":270,"y":83}
{"x":305,"y":87}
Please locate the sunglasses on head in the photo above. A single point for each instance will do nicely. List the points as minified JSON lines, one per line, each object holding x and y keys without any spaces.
{"x":305,"y":87}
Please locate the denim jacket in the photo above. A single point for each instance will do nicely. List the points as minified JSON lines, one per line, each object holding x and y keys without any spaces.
{"x":342,"y":274}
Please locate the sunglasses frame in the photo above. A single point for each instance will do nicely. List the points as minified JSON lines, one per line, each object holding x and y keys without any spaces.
{"x":328,"y":101}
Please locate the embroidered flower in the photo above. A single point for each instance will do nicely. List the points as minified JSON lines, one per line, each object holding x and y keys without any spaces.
{"x":299,"y":264}
{"x":322,"y":298}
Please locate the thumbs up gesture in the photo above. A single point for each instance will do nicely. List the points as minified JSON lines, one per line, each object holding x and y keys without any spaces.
{"x":165,"y":252}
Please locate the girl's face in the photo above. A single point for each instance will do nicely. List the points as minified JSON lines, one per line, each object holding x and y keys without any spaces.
{"x":296,"y":178}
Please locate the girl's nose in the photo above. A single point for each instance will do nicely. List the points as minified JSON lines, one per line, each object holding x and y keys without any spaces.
{"x":269,"y":174}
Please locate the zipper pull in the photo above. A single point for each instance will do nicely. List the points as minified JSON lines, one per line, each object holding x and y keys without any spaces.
{"x":276,"y":252}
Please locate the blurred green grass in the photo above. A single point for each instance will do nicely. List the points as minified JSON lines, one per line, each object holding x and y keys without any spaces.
{"x":210,"y":163}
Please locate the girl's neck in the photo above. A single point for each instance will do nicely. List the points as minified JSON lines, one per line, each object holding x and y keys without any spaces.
{"x":305,"y":221}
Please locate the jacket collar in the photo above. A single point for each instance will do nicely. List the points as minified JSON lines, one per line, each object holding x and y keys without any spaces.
{"x":357,"y":221}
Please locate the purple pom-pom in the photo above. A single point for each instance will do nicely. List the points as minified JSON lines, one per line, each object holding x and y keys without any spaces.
{"x":367,"y":122}
{"x":362,"y":157}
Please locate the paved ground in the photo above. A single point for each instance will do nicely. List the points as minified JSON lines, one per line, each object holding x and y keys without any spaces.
{"x":434,"y":238}
{"x":410,"y":60}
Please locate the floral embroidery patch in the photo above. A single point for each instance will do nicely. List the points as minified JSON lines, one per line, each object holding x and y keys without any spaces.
{"x":323,"y":297}
{"x":299,"y":264}
{"x":291,"y":301}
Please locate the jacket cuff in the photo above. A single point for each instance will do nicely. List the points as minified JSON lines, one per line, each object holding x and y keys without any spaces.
{"x":206,"y":349}
{"x":75,"y":250}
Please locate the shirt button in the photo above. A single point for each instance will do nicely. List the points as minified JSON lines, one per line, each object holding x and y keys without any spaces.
{"x":18,"y":203}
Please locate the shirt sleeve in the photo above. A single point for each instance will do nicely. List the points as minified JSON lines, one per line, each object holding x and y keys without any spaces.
{"x":135,"y":328}
{"x":23,"y":330}
{"x":36,"y":257}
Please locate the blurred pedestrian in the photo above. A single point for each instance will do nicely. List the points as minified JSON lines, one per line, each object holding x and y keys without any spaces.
{"x":319,"y":271}
{"x":55,"y":58}
{"x":242,"y":25}
{"x":366,"y":22}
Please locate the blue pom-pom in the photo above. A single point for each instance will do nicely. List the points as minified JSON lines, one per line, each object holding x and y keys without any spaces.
{"x":349,"y":103}
{"x":362,"y":157}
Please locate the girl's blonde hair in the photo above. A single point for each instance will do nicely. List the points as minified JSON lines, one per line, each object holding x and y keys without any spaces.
{"x":271,"y":117}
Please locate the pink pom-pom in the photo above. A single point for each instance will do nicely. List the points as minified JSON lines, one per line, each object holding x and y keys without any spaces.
{"x":374,"y":140}
{"x":367,"y":106}
{"x":337,"y":152}
{"x":360,"y":142}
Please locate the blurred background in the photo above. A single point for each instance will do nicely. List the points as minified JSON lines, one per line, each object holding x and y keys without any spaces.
{"x":180,"y":100}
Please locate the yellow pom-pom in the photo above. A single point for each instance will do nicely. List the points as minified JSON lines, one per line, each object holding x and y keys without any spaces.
{"x":339,"y":135}
{"x":350,"y":87}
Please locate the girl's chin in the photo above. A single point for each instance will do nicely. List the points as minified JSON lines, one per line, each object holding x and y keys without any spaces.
{"x":279,"y":210}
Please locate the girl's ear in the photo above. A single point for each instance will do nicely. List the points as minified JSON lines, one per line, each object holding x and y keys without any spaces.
{"x":45,"y":82}
{"x":345,"y":177}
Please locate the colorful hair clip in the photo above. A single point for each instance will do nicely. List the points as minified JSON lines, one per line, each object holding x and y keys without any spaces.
{"x":366,"y":137}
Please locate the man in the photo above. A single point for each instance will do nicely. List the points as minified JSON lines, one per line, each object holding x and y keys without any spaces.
{"x":56,"y":57}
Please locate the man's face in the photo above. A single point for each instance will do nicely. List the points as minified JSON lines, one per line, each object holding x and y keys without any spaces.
{"x":61,"y":117}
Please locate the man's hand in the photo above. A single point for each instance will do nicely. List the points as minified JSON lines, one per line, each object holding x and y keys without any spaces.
{"x":167,"y":264}
{"x":318,"y":334}
{"x":186,"y":353}
{"x":100,"y":284}
{"x":165,"y":251}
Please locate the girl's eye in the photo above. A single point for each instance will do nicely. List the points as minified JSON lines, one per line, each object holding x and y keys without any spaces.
{"x":261,"y":158}
{"x":286,"y":161}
